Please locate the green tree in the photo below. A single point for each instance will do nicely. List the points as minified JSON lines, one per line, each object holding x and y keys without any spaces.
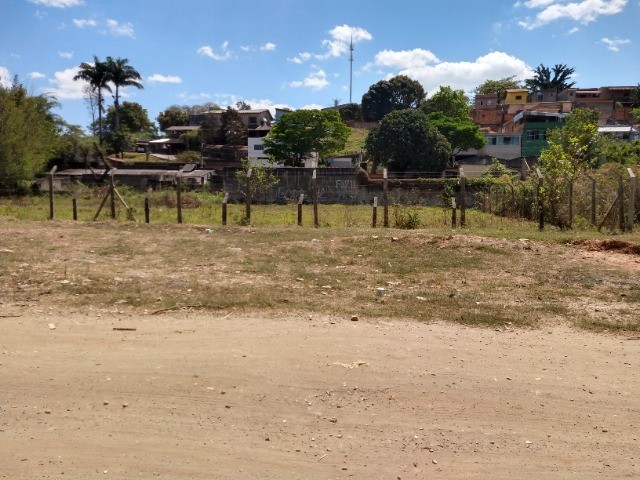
{"x":461,"y":133}
{"x":498,"y":86}
{"x":351,"y":111}
{"x":406,"y":140}
{"x":173,"y":116}
{"x":97,"y":75}
{"x":28,"y":135}
{"x":133,"y":117}
{"x":302,"y":132}
{"x":234,"y":131}
{"x":386,"y":96}
{"x":450,"y":102}
{"x":619,"y":151}
{"x":542,"y":79}
{"x":572,"y":150}
{"x":121,"y":74}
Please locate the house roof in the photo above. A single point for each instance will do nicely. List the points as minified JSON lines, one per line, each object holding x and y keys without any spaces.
{"x":180,"y":128}
{"x":617,"y":129}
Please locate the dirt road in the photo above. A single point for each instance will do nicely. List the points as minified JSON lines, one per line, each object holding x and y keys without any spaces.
{"x":194,"y":395}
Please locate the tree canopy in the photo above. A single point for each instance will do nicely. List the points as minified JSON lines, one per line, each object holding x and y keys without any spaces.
{"x":406,"y":140}
{"x":301,"y":132}
{"x":498,"y":86}
{"x":461,"y":133}
{"x":542,"y":79}
{"x":28,"y":135}
{"x":133,"y":118}
{"x":386,"y":96}
{"x":121,"y":74}
{"x":450,"y":102}
{"x":96,"y":74}
{"x":173,"y":116}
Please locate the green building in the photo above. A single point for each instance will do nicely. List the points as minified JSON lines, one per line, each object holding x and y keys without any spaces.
{"x":534,"y":130}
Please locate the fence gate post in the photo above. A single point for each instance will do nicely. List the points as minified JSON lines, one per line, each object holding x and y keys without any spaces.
{"x":300,"y":201}
{"x":314,"y":188}
{"x":374,"y":220}
{"x":632,"y":199}
{"x":51,"y":209}
{"x":385,"y":196}
{"x":540,"y":199}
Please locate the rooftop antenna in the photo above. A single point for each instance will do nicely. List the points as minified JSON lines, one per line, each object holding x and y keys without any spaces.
{"x":350,"y":68}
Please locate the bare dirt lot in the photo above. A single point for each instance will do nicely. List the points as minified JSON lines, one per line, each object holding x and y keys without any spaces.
{"x":189,"y":395}
{"x":104,"y":374}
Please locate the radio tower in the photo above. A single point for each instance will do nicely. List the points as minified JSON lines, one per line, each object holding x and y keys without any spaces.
{"x":350,"y":68}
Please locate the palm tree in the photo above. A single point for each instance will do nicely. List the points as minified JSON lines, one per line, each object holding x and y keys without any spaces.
{"x":542,"y":78}
{"x":121,"y":74}
{"x":97,"y":75}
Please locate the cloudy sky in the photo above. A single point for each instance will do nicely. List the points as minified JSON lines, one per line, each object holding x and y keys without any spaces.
{"x":295,"y":52}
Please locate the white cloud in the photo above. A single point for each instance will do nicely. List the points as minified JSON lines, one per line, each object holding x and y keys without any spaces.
{"x":58,"y":3}
{"x":405,"y":59}
{"x":159,"y":78}
{"x":432,"y":73}
{"x":614,"y":45}
{"x":316,"y":80}
{"x":338,"y":44}
{"x":64,"y":87}
{"x":245,"y":48}
{"x":268,"y":47}
{"x":36,"y":75}
{"x":207,"y":51}
{"x":119,"y":29}
{"x":573,"y":30}
{"x":5,"y":77}
{"x":85,"y":22}
{"x":312,"y":106}
{"x":585,"y":11}
{"x":65,"y":54}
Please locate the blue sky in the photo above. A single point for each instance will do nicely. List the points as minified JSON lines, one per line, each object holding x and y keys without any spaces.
{"x":294,"y":53}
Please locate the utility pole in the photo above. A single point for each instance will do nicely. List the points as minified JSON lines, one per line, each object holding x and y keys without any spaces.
{"x":350,"y":68}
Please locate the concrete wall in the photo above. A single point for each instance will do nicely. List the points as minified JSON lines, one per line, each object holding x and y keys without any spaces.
{"x":339,"y":185}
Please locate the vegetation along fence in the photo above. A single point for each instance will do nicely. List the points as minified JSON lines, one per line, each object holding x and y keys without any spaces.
{"x":605,"y":199}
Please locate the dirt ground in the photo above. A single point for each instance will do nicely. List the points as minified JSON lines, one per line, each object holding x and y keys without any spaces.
{"x":235,"y":396}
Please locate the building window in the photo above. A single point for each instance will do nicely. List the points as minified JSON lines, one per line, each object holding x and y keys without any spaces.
{"x":489,"y":103}
{"x":491,"y":141}
{"x":518,"y":97}
{"x":534,"y":135}
{"x":258,"y":147}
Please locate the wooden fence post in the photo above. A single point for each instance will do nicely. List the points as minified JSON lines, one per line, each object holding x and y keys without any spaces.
{"x":51,"y":209}
{"x":247,"y":205}
{"x":112,"y":192}
{"x":146,"y":206}
{"x":374,"y":220}
{"x":454,"y":220}
{"x":74,"y":204}
{"x":621,"y":206}
{"x":540,"y":199}
{"x":632,"y":199}
{"x":314,"y":188}
{"x":385,"y":197}
{"x":179,"y":195}
{"x":571,"y":203}
{"x":300,"y":201}
{"x":225,"y":201}
{"x":593,"y":199}
{"x":463,"y":200}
